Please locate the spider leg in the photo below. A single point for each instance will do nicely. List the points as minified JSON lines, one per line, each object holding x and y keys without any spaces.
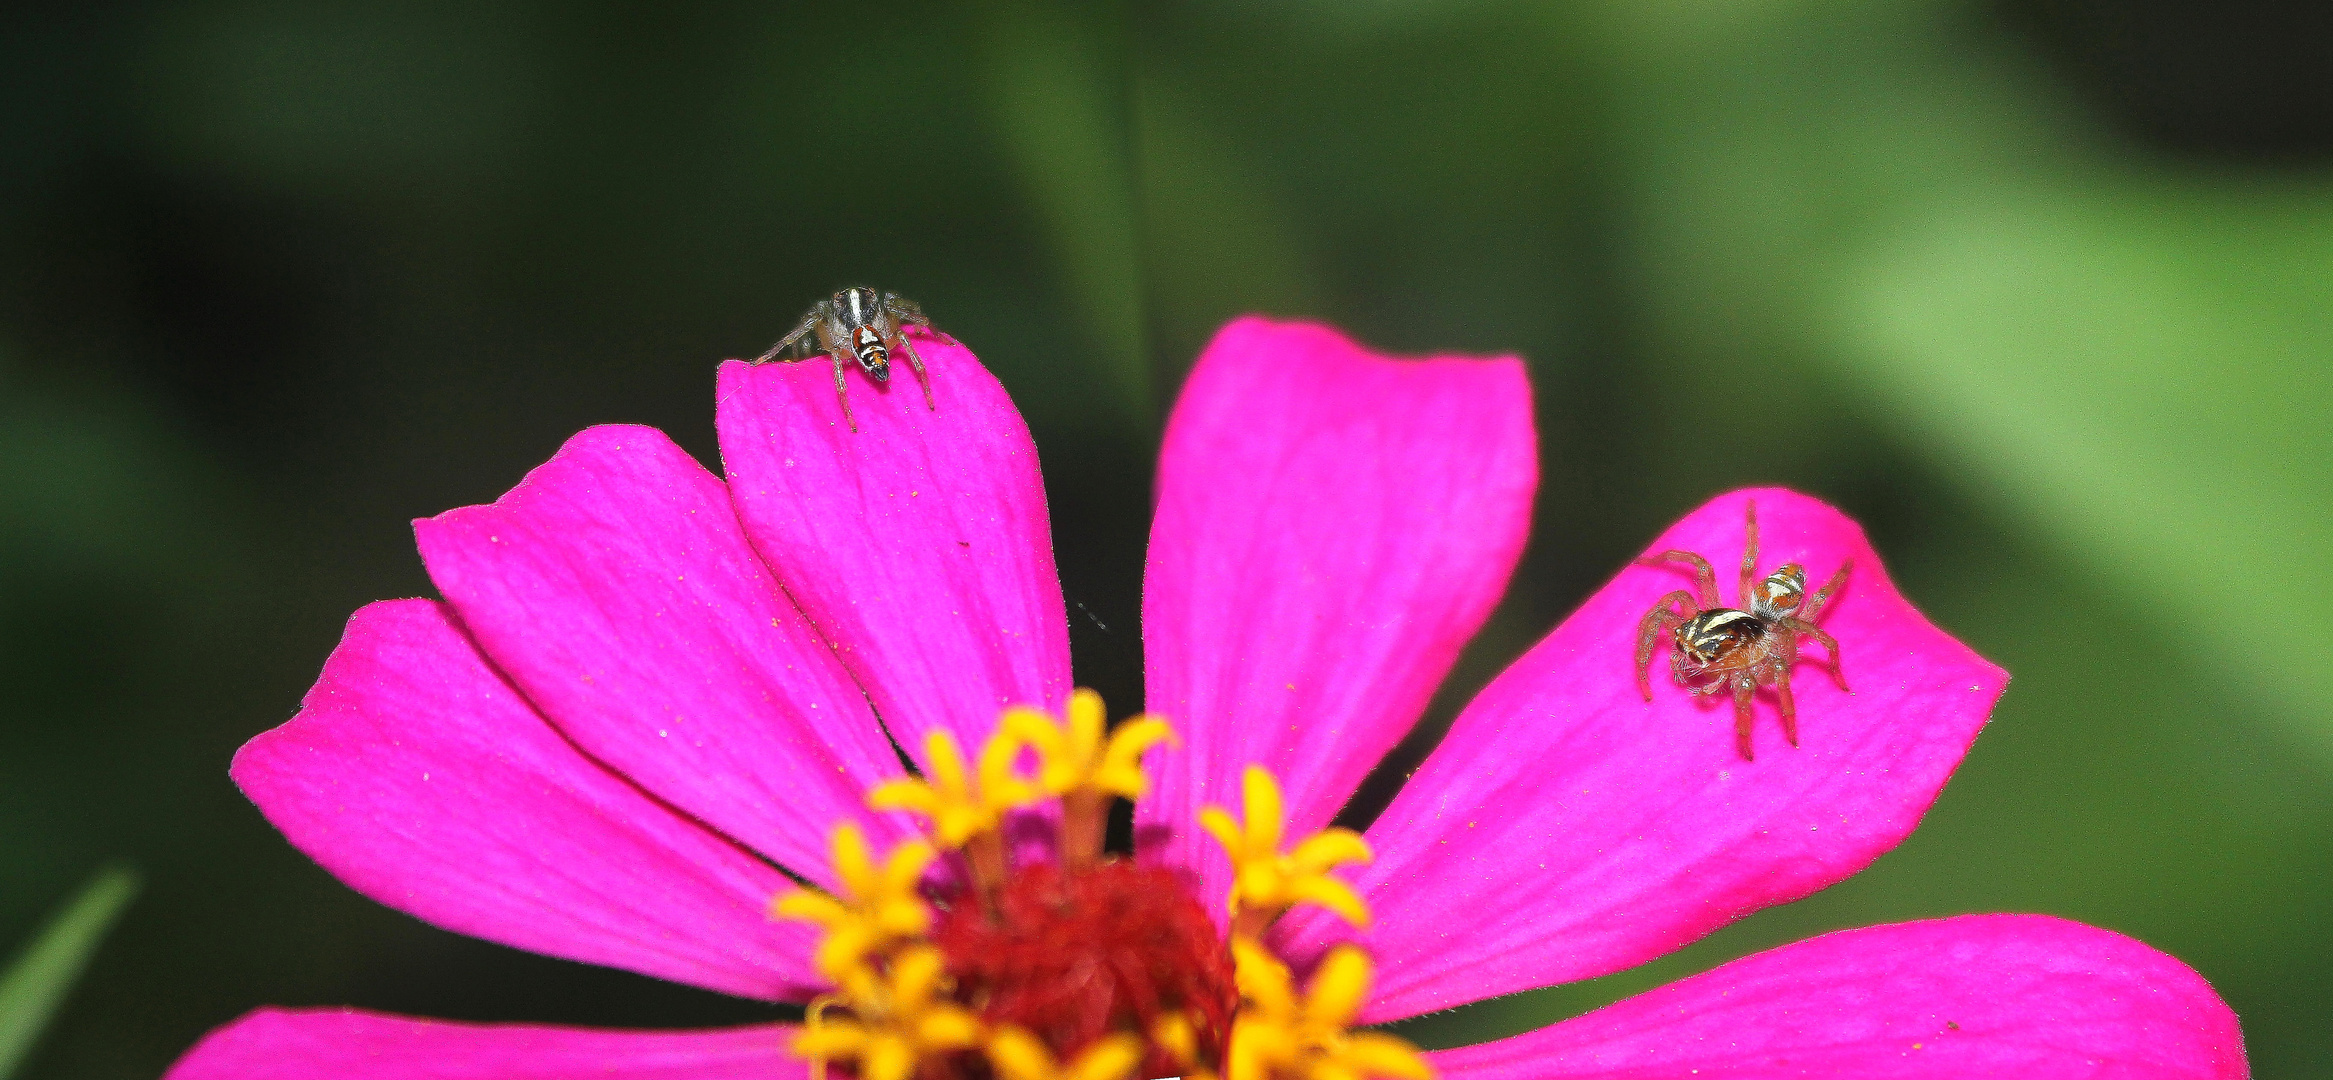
{"x":1801,"y":626}
{"x":916,"y":362}
{"x":907,"y":310}
{"x":842,"y":390}
{"x":1704,"y":578}
{"x":1749,"y":550}
{"x":809,"y":323}
{"x":1648,"y":633}
{"x":902,"y":312}
{"x":1814,"y":604}
{"x":1789,"y":706}
{"x":1744,"y":717}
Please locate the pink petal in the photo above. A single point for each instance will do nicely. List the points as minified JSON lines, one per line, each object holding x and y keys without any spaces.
{"x":1333,"y":525}
{"x":615,"y":588}
{"x":414,"y":773}
{"x":1586,"y":831}
{"x":1980,"y":995}
{"x":345,"y":1044}
{"x":918,"y":544}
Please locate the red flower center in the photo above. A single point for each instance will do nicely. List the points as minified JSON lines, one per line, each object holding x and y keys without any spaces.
{"x":1074,"y":956}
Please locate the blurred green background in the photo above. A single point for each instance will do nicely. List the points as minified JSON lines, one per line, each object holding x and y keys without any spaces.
{"x":2040,"y":290}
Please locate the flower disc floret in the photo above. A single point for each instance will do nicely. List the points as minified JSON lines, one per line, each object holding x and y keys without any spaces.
{"x":898,"y":1019}
{"x":1073,"y":956}
{"x":1266,"y":881}
{"x":1084,"y":968}
{"x":1281,"y":1037}
{"x":879,"y":906}
{"x":1077,"y":756}
{"x":958,"y":807}
{"x":1077,"y":761}
{"x":1018,"y":1055}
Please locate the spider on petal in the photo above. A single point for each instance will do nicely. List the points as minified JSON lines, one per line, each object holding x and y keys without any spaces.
{"x":858,"y":324}
{"x":1739,"y":649}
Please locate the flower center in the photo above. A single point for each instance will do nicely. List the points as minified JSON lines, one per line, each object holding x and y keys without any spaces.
{"x":1073,"y":957}
{"x":1086,"y":967}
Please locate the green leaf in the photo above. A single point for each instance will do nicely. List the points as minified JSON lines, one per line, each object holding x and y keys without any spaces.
{"x":1216,"y":240}
{"x":37,"y":981}
{"x":1057,"y":93}
{"x":2145,"y":375}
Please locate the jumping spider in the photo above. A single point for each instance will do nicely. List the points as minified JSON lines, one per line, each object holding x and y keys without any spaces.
{"x":1720,"y":648}
{"x":862,"y":325}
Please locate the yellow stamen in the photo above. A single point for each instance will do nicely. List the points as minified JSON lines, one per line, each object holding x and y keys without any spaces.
{"x":1278,"y":1037}
{"x":814,"y":1021}
{"x":1175,"y":1034}
{"x":878,"y":907}
{"x":897,"y":1020}
{"x":1077,"y":762}
{"x":958,"y":808}
{"x":896,"y":1010}
{"x":1264,"y":881}
{"x":1076,"y":756}
{"x":1019,"y":1055}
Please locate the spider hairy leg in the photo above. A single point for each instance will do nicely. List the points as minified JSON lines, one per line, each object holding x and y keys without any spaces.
{"x":1789,"y":706}
{"x":842,"y":391}
{"x":1648,"y":633}
{"x":776,"y":352}
{"x":921,"y":376}
{"x":1704,"y":578}
{"x":1814,"y":604}
{"x":906,"y":309}
{"x":1744,"y":717}
{"x":1800,"y":626}
{"x":903,"y":313}
{"x":1749,"y":550}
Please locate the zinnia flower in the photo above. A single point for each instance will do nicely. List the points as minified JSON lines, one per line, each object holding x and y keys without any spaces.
{"x":646,"y":685}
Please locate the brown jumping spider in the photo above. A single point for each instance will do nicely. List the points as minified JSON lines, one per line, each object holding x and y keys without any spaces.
{"x":1720,"y":648}
{"x":862,"y":325}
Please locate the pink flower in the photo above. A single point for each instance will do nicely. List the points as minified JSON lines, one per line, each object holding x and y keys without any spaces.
{"x":645,"y":681}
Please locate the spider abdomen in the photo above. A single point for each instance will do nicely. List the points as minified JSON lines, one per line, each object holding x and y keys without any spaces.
{"x":874,"y":356}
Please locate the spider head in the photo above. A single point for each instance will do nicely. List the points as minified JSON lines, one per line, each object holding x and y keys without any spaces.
{"x":1781,"y":592}
{"x":857,"y":307}
{"x":1714,"y":643}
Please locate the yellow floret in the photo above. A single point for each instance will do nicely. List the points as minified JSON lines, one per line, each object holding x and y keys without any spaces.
{"x":958,"y":808}
{"x":1265,"y":881}
{"x":878,"y":906}
{"x":1076,"y":756}
{"x":1019,"y":1055}
{"x":1278,"y":1037}
{"x":897,"y":1019}
{"x":1175,"y":1034}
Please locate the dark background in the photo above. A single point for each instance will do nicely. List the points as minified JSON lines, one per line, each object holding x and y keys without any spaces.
{"x":2041,"y":291}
